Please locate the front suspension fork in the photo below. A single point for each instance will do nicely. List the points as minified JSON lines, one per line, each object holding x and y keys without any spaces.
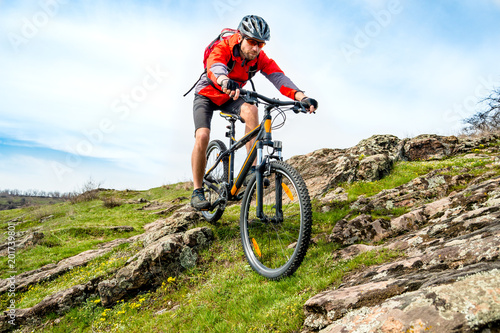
{"x":262,"y":165}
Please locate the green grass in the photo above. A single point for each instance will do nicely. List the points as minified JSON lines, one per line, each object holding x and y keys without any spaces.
{"x":74,"y":228}
{"x":324,"y":222}
{"x":222,"y":293}
{"x":223,"y":296}
{"x":404,"y":172}
{"x":102,"y":267}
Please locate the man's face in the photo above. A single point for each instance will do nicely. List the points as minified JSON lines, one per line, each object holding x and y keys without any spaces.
{"x":250,"y":48}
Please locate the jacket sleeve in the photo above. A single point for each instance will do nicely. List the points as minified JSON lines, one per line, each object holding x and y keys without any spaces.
{"x":217,"y":61}
{"x":273,"y":73}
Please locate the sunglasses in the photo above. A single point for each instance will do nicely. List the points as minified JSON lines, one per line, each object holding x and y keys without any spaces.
{"x":253,"y":42}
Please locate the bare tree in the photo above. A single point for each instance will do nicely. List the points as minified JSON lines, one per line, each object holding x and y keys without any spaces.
{"x":488,"y":118}
{"x":89,"y":191}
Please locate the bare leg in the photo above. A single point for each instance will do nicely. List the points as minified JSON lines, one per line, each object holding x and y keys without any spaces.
{"x":198,"y":158}
{"x":250,"y":115}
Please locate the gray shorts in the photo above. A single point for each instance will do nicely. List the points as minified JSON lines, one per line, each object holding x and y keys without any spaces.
{"x":203,"y":110}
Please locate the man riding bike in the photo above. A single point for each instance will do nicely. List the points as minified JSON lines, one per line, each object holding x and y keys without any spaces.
{"x":219,"y":89}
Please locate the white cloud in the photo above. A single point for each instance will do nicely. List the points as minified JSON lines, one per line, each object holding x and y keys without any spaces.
{"x":67,"y":86}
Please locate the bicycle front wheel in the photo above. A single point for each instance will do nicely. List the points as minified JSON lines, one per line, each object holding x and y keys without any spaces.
{"x":276,"y":242}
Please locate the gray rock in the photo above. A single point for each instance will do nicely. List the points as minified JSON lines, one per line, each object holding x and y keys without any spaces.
{"x":429,"y":147}
{"x":372,"y":158}
{"x":59,"y":303}
{"x":377,"y":144}
{"x":165,"y":257}
{"x":374,"y":167}
{"x":465,"y":305}
{"x":323,"y":169}
{"x":450,"y":246}
{"x":339,"y":194}
{"x":51,"y":271}
{"x":361,"y":228}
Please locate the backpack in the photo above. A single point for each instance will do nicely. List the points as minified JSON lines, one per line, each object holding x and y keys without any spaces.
{"x":224,"y":35}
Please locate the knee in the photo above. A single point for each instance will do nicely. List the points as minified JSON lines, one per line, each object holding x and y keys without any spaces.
{"x":202,"y":137}
{"x":249,"y":111}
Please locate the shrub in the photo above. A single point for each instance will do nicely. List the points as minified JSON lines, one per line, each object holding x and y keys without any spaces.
{"x":89,"y":192}
{"x":111,"y":202}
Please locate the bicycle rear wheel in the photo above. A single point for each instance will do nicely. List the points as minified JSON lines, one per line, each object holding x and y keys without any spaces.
{"x":218,"y":177}
{"x":276,"y":244}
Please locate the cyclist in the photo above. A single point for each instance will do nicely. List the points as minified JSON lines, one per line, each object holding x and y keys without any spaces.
{"x":218,"y":89}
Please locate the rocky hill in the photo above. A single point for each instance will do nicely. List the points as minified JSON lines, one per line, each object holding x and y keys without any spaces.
{"x":448,"y":280}
{"x":441,"y":218}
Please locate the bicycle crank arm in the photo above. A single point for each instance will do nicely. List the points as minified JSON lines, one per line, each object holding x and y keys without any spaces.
{"x":217,"y":203}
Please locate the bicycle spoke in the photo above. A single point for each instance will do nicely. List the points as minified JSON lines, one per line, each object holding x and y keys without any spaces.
{"x":279,"y":236}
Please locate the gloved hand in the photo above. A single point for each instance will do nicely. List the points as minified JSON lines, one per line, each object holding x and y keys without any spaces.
{"x":231,"y":88}
{"x":230,"y":85}
{"x":310,"y":102}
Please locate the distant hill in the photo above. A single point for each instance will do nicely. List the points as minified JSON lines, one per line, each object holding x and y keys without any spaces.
{"x":18,"y":201}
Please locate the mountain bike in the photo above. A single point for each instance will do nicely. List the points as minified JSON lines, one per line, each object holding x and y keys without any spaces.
{"x":276,"y":216}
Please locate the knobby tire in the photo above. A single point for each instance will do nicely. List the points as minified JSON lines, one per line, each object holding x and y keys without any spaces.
{"x":275,"y":248}
{"x":220,"y":177}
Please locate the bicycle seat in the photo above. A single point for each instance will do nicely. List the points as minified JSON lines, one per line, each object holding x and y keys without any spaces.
{"x":231,"y":117}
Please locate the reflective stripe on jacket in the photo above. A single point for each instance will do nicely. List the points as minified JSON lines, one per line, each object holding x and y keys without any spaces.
{"x":217,"y":65}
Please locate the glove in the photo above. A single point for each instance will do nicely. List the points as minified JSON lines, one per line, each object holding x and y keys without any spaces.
{"x":308,"y":102}
{"x":230,"y":85}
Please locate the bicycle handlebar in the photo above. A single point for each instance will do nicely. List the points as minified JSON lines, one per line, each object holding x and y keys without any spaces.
{"x":297,"y":106}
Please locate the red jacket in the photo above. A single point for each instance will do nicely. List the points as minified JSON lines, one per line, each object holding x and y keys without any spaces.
{"x":217,"y":65}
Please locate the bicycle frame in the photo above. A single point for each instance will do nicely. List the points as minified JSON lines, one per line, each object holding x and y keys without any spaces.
{"x":263,"y":137}
{"x":276,"y":214}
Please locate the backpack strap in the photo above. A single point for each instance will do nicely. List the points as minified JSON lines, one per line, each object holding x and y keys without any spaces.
{"x":194,"y":85}
{"x":230,"y":66}
{"x":252,"y":71}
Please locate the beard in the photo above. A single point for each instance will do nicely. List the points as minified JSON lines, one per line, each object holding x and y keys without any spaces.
{"x":250,"y":55}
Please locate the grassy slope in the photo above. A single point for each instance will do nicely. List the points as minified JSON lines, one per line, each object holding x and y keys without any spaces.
{"x":9,"y":202}
{"x":74,"y":228}
{"x":221,"y":294}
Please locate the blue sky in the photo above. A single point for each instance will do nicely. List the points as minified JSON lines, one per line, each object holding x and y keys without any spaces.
{"x":93,"y":89}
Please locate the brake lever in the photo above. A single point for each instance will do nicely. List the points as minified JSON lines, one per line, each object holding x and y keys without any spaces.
{"x":302,"y":108}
